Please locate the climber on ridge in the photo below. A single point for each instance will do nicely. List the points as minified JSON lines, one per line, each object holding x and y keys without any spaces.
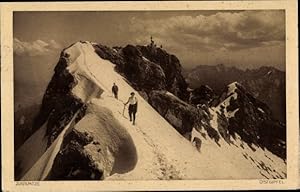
{"x":132,"y":109}
{"x":115,"y":90}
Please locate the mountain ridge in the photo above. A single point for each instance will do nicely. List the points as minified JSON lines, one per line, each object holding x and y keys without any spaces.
{"x":265,"y":83}
{"x":81,"y":128}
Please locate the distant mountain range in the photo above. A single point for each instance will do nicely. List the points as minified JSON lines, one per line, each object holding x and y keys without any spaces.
{"x":265,"y":83}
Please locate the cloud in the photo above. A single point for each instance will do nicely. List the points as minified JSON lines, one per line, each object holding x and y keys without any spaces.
{"x":243,"y":38}
{"x":239,"y":30}
{"x":35,"y":48}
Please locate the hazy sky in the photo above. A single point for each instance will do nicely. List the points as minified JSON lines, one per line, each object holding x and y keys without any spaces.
{"x":247,"y":39}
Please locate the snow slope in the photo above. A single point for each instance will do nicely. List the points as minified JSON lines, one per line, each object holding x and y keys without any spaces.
{"x":156,"y":150}
{"x":41,"y":168}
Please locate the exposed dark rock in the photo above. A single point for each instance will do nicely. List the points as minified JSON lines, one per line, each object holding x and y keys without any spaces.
{"x":223,"y":127}
{"x":202,"y":95}
{"x":141,"y":72}
{"x":253,"y":122}
{"x":213,"y":134}
{"x":72,"y":163}
{"x":59,"y":105}
{"x":177,"y":112}
{"x":111,"y":54}
{"x":197,"y":142}
{"x":144,"y":95}
{"x":147,"y":68}
{"x":172,"y":68}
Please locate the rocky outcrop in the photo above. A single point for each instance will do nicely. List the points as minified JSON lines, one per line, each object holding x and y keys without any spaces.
{"x":59,"y":104}
{"x":111,"y":54}
{"x":72,"y":162}
{"x":252,"y":120}
{"x":141,"y":72}
{"x":202,"y":95}
{"x":172,"y":68}
{"x":147,"y":68}
{"x":177,"y":112}
{"x":197,"y":142}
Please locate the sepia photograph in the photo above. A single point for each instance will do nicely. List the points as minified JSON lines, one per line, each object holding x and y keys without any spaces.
{"x":150,"y":95}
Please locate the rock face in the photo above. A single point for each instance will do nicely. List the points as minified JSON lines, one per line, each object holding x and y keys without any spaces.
{"x":178,"y":113}
{"x":172,"y":68}
{"x":58,"y":105}
{"x":147,"y":68}
{"x":140,"y":71}
{"x":266,"y":83}
{"x":72,"y":163}
{"x":251,"y":119}
{"x":202,"y":95}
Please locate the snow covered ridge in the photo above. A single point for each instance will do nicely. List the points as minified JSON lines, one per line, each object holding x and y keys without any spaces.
{"x":251,"y":119}
{"x":84,"y":132}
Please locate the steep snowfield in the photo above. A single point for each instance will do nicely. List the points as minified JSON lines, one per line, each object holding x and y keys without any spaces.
{"x":267,"y":164}
{"x":42,"y":167}
{"x":31,"y":150}
{"x":153,"y":148}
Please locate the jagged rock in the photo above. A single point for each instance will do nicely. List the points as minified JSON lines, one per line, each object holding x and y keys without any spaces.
{"x":144,"y":95}
{"x":72,"y":163}
{"x":143,"y":73}
{"x":251,"y":119}
{"x":223,"y":127}
{"x":197,"y":142}
{"x":202,"y":95}
{"x":147,"y":68}
{"x":172,"y":68}
{"x":180,"y":114}
{"x":58,"y":105}
{"x":111,"y":54}
{"x":213,"y":134}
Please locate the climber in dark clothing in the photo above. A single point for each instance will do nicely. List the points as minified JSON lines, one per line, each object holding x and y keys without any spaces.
{"x":132,"y":109}
{"x":115,"y":90}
